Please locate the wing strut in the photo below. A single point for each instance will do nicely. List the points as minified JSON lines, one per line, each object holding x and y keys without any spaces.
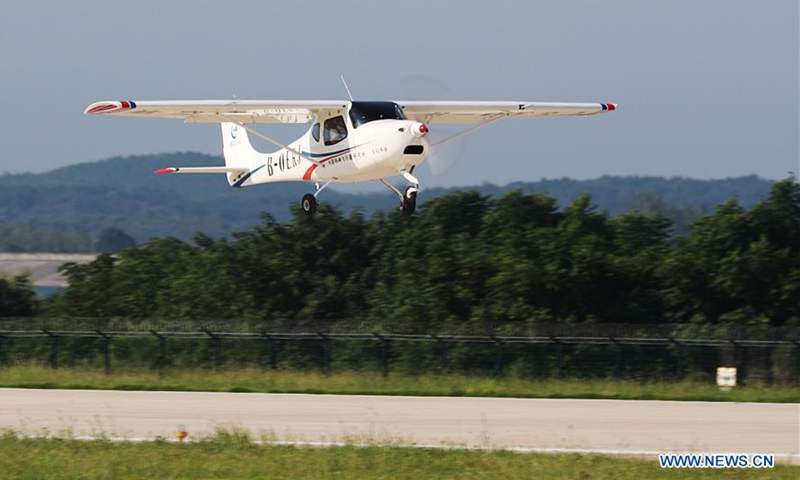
{"x":470,"y":130}
{"x":271,"y":140}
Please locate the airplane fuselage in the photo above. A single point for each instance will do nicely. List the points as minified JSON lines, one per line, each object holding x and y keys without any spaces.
{"x":368,"y":151}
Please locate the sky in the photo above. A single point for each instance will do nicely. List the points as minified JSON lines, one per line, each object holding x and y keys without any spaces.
{"x":706,"y":89}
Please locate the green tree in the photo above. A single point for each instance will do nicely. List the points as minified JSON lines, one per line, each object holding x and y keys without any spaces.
{"x":740,"y":265}
{"x":17,"y":298}
{"x":463,"y":258}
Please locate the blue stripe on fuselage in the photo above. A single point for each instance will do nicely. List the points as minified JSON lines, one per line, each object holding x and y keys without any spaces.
{"x":331,"y":154}
{"x":317,"y":155}
{"x":249,"y":174}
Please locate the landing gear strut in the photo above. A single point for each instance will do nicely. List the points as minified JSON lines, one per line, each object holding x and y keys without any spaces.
{"x":408,"y":201}
{"x":309,"y":201}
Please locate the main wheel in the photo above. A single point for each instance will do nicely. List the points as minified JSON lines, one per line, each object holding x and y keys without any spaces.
{"x":309,"y":203}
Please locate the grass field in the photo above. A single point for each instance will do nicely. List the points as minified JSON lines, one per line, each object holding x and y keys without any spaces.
{"x":230,"y":456}
{"x":255,"y":380}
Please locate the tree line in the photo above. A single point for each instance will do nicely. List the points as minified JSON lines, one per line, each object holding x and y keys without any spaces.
{"x":466,"y":257}
{"x":25,"y":238}
{"x":17,"y":298}
{"x":123,"y":192}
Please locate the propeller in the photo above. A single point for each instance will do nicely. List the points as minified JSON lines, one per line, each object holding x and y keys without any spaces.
{"x":442,"y":158}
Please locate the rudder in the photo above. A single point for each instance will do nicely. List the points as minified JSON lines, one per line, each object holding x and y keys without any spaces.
{"x":236,"y":146}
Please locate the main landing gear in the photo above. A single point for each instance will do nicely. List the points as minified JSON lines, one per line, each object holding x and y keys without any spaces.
{"x":309,"y":201}
{"x":408,"y":200}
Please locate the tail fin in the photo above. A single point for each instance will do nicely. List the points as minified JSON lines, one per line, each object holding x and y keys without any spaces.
{"x":236,"y":147}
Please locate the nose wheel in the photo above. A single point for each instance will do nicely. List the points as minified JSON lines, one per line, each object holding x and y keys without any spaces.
{"x":408,"y":200}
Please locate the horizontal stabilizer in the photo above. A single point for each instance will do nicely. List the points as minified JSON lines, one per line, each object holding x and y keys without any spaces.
{"x":200,"y":170}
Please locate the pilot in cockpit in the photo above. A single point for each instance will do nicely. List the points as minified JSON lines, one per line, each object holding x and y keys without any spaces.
{"x":337,"y":130}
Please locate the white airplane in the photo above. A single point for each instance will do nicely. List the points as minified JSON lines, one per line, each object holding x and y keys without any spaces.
{"x":349,"y":141}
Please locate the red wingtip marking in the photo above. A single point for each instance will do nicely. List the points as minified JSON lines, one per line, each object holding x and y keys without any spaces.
{"x":102,"y":108}
{"x":165,"y":170}
{"x":612,"y":107}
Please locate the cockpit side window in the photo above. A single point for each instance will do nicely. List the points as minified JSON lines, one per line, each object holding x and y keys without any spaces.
{"x":335,"y":130}
{"x":315,"y":132}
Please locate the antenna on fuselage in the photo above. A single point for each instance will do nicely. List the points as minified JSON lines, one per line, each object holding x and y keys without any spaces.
{"x":346,"y":88}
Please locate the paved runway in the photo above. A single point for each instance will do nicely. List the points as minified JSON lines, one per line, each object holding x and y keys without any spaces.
{"x":43,"y":267}
{"x":606,"y":425}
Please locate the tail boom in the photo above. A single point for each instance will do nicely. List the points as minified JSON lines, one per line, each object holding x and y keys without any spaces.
{"x":168,"y":170}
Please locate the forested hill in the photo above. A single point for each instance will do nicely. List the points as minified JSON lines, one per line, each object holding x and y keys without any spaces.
{"x":124,"y":193}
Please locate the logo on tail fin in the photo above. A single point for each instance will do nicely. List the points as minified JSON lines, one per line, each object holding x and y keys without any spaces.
{"x":234,"y":130}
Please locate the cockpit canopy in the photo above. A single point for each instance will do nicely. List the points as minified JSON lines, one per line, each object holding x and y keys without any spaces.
{"x":365,"y":112}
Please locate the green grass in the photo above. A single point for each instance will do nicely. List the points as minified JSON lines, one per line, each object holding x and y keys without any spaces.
{"x":233,"y":457}
{"x":254,"y":380}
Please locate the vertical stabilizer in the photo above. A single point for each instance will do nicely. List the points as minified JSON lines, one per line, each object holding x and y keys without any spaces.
{"x":236,"y":146}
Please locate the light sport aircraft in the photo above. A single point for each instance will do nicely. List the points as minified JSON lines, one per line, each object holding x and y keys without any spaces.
{"x":349,"y":141}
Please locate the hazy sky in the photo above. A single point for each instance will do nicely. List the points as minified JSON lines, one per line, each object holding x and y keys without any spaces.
{"x":705,"y":89}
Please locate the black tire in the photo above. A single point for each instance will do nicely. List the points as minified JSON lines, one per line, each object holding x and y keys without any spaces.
{"x":407,"y":208}
{"x":410,"y":197}
{"x":309,"y":203}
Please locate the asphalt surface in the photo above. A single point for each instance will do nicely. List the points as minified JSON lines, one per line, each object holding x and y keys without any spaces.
{"x":42,"y":267}
{"x":597,"y":425}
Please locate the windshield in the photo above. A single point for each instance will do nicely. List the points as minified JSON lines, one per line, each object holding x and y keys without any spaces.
{"x":365,"y":112}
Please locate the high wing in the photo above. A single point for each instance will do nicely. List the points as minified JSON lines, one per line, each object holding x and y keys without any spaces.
{"x":471,"y":112}
{"x":218,"y":111}
{"x":303,"y":111}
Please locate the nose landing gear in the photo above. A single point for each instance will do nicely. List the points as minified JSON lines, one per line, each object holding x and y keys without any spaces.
{"x":408,"y":200}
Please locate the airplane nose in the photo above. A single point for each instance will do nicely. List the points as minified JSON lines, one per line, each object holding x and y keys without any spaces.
{"x":419,"y":129}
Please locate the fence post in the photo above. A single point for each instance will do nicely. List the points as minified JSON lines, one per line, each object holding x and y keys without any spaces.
{"x":269,"y":359}
{"x":273,"y":353}
{"x":217,"y":351}
{"x":559,"y":357}
{"x":617,"y":371}
{"x":53,"y":349}
{"x":386,"y":352}
{"x":162,"y":351}
{"x":326,"y":353}
{"x":216,"y":343}
{"x":770,"y":364}
{"x":498,"y":363}
{"x":106,"y":351}
{"x":740,"y":362}
{"x":797,"y":363}
{"x":442,"y":352}
{"x":679,"y":358}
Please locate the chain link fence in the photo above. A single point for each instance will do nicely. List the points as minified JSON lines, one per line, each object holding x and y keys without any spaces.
{"x":639,"y":352}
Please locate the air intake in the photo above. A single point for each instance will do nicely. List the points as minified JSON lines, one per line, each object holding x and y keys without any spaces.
{"x":413,"y":150}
